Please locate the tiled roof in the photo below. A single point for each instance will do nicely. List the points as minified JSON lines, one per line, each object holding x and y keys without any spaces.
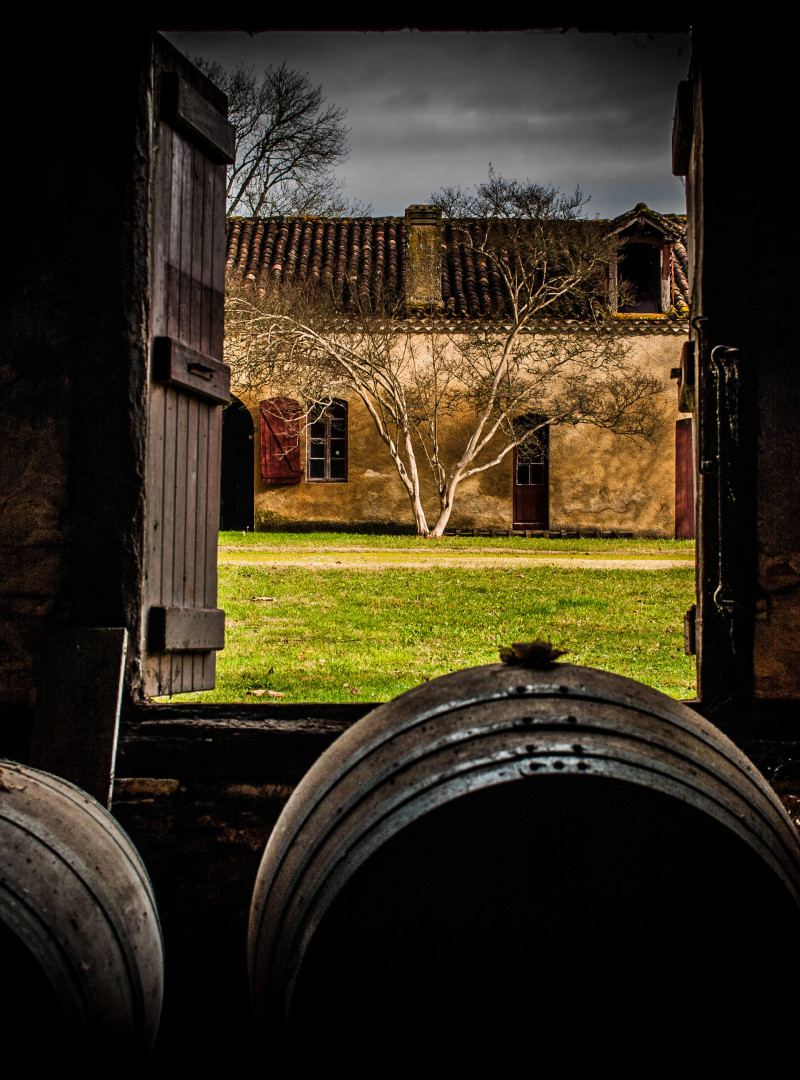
{"x":672,"y":225}
{"x":365,"y":258}
{"x":351,"y":256}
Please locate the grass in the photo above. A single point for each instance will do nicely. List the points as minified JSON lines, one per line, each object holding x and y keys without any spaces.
{"x":321,"y":541}
{"x":367,"y":635}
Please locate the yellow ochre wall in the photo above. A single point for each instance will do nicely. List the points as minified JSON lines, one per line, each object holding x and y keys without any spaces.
{"x":597,"y":480}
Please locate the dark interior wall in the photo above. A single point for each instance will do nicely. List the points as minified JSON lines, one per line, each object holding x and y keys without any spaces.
{"x":745,"y":281}
{"x":199,"y":795}
{"x":74,"y":334}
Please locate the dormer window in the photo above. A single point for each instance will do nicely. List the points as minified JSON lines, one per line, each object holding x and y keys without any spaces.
{"x":640,"y":282}
{"x":639,"y":279}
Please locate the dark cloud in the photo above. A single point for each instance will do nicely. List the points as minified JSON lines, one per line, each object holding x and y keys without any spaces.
{"x":427,"y":109}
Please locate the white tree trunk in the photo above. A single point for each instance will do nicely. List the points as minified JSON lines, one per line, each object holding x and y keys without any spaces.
{"x":420,"y":520}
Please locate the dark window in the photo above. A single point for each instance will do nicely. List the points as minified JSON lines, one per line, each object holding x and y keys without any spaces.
{"x":639,"y":274}
{"x":531,"y":460}
{"x":327,"y":444}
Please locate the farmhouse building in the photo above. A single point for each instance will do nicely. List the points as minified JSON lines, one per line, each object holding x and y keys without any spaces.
{"x":335,"y":470}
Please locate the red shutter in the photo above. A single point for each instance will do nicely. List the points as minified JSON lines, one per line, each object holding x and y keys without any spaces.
{"x":684,"y":480}
{"x":280,"y":441}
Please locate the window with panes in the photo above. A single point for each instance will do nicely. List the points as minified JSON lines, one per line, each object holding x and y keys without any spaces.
{"x":531,"y":455}
{"x":327,"y":445}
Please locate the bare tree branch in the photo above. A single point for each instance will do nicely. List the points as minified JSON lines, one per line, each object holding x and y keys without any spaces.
{"x":288,"y":140}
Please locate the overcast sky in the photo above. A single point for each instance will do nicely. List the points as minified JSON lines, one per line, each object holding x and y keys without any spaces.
{"x":432,"y":109}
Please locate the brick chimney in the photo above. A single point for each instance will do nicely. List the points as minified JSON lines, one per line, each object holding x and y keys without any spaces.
{"x":423,"y":258}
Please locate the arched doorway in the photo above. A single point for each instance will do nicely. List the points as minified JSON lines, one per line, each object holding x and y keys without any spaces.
{"x":236,"y":487}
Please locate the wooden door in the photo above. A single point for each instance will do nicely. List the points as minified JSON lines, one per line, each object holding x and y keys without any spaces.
{"x":531,"y":482}
{"x":684,"y":480}
{"x":189,"y":383}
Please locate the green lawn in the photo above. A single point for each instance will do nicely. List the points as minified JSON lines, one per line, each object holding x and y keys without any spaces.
{"x":343,"y":540}
{"x":355,"y":634}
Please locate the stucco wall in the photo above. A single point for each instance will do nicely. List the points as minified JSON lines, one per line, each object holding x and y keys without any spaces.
{"x":604,"y":481}
{"x":597,"y":480}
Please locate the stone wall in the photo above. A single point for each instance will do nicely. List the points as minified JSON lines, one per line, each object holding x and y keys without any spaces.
{"x":74,"y":339}
{"x":34,"y":418}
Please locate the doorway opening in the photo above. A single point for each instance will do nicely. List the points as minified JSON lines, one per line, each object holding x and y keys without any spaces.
{"x":236,"y":483}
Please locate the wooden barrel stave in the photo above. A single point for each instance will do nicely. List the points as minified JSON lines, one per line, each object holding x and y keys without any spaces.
{"x":75,"y":893}
{"x":492,"y":727}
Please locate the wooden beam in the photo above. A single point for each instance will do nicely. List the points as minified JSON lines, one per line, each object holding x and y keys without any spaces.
{"x":682,"y":128}
{"x":188,"y":629}
{"x":76,"y":721}
{"x":222,"y":744}
{"x":188,"y":369}
{"x":198,"y":119}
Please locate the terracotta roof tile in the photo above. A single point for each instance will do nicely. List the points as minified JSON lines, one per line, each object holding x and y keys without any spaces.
{"x":680,"y":275}
{"x":363,"y":260}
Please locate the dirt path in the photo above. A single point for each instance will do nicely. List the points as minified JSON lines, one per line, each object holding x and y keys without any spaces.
{"x":365,"y":559}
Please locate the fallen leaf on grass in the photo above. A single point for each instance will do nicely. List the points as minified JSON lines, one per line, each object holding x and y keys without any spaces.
{"x":263,"y":598}
{"x":354,"y":690}
{"x":260,"y":693}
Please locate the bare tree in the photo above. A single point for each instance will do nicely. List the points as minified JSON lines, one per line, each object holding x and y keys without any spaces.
{"x":288,"y":140}
{"x":447,"y":403}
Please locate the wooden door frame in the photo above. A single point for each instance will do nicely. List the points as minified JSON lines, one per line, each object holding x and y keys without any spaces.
{"x":545,"y":522}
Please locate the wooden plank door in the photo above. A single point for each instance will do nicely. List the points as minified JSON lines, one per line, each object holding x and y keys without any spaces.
{"x":532,"y":482}
{"x":684,"y":480}
{"x":183,"y":627}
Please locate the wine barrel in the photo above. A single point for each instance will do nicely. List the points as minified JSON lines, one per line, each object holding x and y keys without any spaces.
{"x":505,"y":850}
{"x":79,"y":930}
